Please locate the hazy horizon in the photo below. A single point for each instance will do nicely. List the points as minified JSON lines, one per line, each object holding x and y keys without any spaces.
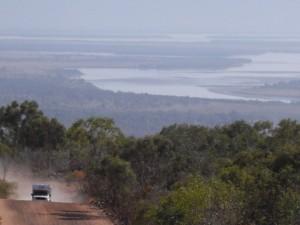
{"x":97,"y":17}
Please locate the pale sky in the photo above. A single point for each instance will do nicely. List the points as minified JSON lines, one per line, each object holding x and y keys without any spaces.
{"x":150,"y":16}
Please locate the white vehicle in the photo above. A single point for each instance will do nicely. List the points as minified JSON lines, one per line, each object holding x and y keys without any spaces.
{"x":41,"y":192}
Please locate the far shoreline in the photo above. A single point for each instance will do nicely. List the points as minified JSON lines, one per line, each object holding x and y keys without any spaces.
{"x":88,"y":75}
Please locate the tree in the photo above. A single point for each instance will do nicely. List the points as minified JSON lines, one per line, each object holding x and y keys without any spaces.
{"x":153,"y":160}
{"x":13,"y":118}
{"x":5,"y":155}
{"x":92,"y":140}
{"x":286,"y":133}
{"x":242,"y":136}
{"x":199,"y":202}
{"x":113,"y":182}
{"x":42,"y":133}
{"x":24,"y":126}
{"x":270,"y":181}
{"x":192,"y":145}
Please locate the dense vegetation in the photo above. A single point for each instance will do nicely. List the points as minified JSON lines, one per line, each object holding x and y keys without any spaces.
{"x":236,"y":174}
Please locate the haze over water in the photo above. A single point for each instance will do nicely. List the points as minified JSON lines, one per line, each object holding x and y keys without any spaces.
{"x":265,"y":69}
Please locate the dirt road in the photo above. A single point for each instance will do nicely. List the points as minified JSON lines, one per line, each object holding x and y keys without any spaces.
{"x":43,"y":213}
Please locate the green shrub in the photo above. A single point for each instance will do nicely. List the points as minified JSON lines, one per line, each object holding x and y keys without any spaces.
{"x":200,"y":202}
{"x":6,"y":189}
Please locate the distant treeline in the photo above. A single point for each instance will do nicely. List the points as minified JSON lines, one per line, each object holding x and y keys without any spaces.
{"x":67,"y":99}
{"x":236,"y":174}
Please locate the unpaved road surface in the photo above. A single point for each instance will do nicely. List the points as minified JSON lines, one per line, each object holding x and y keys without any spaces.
{"x":43,"y":213}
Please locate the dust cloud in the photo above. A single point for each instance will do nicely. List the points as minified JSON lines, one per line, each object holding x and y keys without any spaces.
{"x":62,"y":191}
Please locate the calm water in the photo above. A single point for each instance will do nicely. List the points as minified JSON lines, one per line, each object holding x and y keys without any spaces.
{"x":264,"y":69}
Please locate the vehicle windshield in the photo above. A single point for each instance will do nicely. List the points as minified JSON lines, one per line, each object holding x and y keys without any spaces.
{"x":40,"y":192}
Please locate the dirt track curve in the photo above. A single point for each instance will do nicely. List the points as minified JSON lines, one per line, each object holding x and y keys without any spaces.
{"x":43,"y":213}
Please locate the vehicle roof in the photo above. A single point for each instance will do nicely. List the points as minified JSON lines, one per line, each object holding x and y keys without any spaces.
{"x":41,"y":187}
